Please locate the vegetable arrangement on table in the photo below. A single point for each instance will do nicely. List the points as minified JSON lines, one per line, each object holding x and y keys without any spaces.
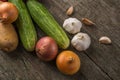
{"x":47,"y":47}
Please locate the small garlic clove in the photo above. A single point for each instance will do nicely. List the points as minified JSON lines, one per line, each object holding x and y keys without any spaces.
{"x":81,"y":41}
{"x":72,"y":25}
{"x":87,"y":22}
{"x":70,"y":11}
{"x":105,"y":40}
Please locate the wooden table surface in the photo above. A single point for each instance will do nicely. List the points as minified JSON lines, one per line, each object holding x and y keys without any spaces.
{"x":99,"y":62}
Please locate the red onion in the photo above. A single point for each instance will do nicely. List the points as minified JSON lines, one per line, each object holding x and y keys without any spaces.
{"x":46,"y":48}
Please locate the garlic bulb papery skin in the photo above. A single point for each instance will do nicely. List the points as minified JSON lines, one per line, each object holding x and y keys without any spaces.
{"x":81,"y":41}
{"x":72,"y":25}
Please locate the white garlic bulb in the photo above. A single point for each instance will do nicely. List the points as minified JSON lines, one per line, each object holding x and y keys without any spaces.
{"x":81,"y":41}
{"x":72,"y":25}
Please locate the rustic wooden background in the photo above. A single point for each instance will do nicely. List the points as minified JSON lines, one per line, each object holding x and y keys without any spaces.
{"x":99,"y":62}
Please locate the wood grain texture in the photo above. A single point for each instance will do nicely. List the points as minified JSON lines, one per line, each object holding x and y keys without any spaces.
{"x":99,"y":62}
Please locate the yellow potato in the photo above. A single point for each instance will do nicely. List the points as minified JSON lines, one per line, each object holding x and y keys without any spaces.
{"x":8,"y":37}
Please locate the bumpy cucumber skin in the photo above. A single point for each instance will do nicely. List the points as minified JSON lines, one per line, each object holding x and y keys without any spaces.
{"x":25,"y":26}
{"x":47,"y":23}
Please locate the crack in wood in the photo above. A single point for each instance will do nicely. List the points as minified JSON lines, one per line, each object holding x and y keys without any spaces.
{"x":98,"y":66}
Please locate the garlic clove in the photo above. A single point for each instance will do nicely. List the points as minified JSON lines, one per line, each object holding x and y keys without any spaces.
{"x":81,"y":41}
{"x":70,"y":11}
{"x":105,"y":40}
{"x":72,"y":25}
{"x":87,"y":22}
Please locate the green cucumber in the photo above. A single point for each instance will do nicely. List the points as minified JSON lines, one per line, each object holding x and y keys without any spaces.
{"x":47,"y":23}
{"x":25,"y":26}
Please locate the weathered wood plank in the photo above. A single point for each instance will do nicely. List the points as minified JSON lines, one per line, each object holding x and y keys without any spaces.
{"x":26,"y":66}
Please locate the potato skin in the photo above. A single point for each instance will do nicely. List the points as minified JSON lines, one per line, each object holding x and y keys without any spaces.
{"x":8,"y":37}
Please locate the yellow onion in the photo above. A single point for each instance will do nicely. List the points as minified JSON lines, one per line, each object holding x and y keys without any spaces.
{"x":68,"y":62}
{"x":8,"y":12}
